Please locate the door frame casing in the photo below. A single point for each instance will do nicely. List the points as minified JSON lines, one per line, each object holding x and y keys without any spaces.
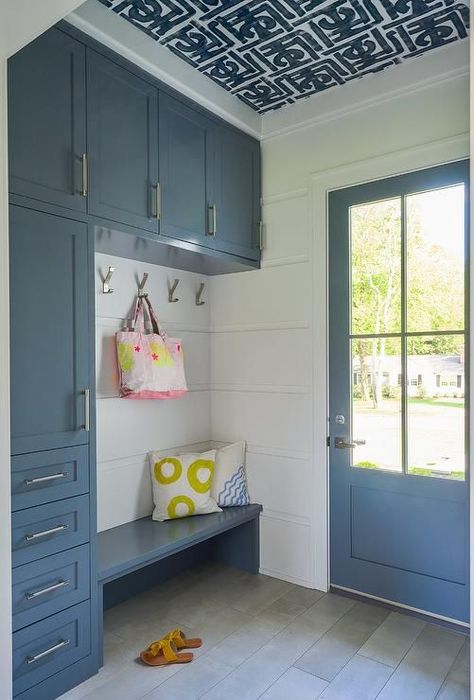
{"x":321,"y":184}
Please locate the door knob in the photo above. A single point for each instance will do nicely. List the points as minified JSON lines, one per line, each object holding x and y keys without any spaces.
{"x":341,"y":443}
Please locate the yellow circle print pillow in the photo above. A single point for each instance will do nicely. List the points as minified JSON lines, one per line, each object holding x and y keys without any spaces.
{"x":182,"y":485}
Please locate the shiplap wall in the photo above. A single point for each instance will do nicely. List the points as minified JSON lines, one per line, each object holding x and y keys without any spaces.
{"x":127,"y":429}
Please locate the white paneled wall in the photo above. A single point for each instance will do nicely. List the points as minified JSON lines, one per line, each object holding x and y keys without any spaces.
{"x":127,"y":429}
{"x":261,"y":379}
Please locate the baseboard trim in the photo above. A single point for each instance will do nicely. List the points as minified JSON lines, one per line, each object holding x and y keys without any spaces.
{"x":457,"y":625}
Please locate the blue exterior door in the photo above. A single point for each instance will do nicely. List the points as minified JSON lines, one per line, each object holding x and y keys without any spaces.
{"x":398,"y":349}
{"x":49,"y":331}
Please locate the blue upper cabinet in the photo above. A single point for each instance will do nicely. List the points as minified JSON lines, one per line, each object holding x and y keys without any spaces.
{"x":187,"y":155}
{"x":122,"y":128}
{"x":238,"y":219}
{"x":49,"y":331}
{"x":47,"y":120}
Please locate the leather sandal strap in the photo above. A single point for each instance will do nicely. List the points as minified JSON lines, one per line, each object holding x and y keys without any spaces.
{"x":177,"y":637}
{"x":163,"y":646}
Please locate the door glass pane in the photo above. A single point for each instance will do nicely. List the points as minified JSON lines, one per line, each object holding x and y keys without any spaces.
{"x":435,"y":260}
{"x":436,"y":406}
{"x":375,"y":230}
{"x":376,"y":403}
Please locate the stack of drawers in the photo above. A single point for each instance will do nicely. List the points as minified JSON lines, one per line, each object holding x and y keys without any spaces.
{"x":51,"y":575}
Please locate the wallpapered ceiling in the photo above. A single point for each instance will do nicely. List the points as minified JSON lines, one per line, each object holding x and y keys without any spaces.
{"x":270,"y":54}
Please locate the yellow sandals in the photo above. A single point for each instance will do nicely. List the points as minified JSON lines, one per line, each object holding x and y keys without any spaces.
{"x":165,"y":651}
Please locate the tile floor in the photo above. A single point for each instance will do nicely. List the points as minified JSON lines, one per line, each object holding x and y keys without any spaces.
{"x":267,"y":639}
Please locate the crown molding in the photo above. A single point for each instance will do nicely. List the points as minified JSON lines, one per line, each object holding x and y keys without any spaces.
{"x":440,"y":67}
{"x":121,"y":36}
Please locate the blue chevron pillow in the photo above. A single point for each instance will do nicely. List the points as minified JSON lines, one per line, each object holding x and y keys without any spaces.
{"x":229,"y":484}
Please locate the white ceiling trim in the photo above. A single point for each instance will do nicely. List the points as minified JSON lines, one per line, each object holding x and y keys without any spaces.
{"x":98,"y":22}
{"x":435,"y":69}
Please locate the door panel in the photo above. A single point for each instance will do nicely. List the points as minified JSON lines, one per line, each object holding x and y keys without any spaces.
{"x":49,"y":330}
{"x":47,"y":120}
{"x":187,"y":153}
{"x":238,"y":185}
{"x":122,"y":119}
{"x":398,"y":389}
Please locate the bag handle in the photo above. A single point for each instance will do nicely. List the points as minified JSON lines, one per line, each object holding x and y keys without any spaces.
{"x":154,"y":319}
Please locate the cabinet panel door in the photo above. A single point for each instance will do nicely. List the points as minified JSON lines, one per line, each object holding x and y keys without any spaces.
{"x":49,"y":330}
{"x":122,"y":122}
{"x":187,"y":154}
{"x":47,"y":120}
{"x":238,"y":185}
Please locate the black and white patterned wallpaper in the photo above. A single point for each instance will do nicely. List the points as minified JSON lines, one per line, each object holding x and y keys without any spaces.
{"x":270,"y":54}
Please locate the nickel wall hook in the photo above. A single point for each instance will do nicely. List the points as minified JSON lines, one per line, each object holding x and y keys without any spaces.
{"x":141,"y":285}
{"x":106,"y":288}
{"x":199,"y":294}
{"x":171,"y":291}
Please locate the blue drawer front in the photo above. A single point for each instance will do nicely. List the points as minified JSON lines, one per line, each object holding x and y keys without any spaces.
{"x":50,"y":585}
{"x":43,"y":530}
{"x":43,"y":477}
{"x":49,"y":646}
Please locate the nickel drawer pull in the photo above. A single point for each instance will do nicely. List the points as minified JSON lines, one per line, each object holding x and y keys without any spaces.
{"x":35,"y":594}
{"x":42,"y":479}
{"x":47,"y":652}
{"x":45,"y":533}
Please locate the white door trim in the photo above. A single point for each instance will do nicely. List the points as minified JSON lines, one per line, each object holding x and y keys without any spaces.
{"x":321,"y":183}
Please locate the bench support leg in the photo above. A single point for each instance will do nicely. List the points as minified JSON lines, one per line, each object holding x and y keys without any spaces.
{"x":239,"y":547}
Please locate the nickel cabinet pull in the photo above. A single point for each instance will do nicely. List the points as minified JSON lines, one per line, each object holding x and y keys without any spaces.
{"x":43,"y":479}
{"x":47,"y":652}
{"x":62,"y":583}
{"x":85,"y":176}
{"x":260,"y":235}
{"x":45,"y":533}
{"x":212,"y":220}
{"x":156,"y":199}
{"x":87,"y":410}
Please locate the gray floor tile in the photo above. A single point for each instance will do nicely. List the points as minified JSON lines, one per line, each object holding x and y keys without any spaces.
{"x":262,"y":594}
{"x":327,"y":611}
{"x":295,"y":684}
{"x":328,"y":656}
{"x":261,"y":670}
{"x":268,"y":640}
{"x":191,"y":682}
{"x":392,"y":640}
{"x":241,"y":644}
{"x":215,"y":630}
{"x":457,"y":683}
{"x":424,"y":668}
{"x":296,"y":601}
{"x":361,"y":679}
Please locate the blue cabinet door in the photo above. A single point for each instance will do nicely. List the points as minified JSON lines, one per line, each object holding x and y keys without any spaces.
{"x":237,"y":183}
{"x":187,"y":155}
{"x":122,"y":123}
{"x":49,"y":331}
{"x":47,"y":120}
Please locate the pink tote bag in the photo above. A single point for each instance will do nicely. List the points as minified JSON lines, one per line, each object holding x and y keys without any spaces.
{"x":151,"y":365}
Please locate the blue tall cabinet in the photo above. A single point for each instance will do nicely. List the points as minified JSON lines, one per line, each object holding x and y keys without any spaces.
{"x":96,"y":145}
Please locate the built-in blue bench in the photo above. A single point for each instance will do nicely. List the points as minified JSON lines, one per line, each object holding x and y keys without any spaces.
{"x":140,"y":554}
